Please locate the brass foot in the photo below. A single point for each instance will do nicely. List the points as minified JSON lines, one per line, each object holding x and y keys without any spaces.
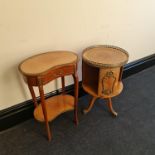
{"x":114,"y":113}
{"x":85,"y":111}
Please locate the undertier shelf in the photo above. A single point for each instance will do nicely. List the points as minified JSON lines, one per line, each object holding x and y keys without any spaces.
{"x":90,"y":89}
{"x":55,"y":106}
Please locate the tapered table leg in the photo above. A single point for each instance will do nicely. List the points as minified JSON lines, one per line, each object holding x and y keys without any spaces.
{"x":111,"y":107}
{"x":76,"y":91}
{"x":63,"y":84}
{"x":85,"y":111}
{"x":33,"y":95}
{"x":41,"y":91}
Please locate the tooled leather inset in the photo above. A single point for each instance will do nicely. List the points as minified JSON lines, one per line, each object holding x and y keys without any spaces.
{"x":108,"y":82}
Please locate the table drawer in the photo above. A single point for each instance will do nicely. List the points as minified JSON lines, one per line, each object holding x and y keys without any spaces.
{"x":50,"y":75}
{"x":58,"y":72}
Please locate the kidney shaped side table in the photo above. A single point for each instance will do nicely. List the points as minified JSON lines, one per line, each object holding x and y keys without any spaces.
{"x":102,"y":68}
{"x":40,"y":70}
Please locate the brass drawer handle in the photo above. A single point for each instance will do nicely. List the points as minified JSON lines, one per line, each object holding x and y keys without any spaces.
{"x":60,"y":73}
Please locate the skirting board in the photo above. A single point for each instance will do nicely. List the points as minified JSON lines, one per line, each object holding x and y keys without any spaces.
{"x":21,"y":112}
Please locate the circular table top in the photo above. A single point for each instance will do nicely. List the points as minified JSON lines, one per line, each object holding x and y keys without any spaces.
{"x":41,"y":63}
{"x":105,"y":56}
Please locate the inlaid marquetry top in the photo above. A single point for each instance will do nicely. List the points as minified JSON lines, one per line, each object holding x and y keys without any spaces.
{"x":41,"y":63}
{"x":105,"y":56}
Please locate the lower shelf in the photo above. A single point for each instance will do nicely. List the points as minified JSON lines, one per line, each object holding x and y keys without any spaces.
{"x":54,"y":106}
{"x":90,"y":90}
{"x":117,"y":90}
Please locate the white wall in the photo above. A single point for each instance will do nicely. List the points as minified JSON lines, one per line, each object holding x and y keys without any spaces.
{"x":28,"y":27}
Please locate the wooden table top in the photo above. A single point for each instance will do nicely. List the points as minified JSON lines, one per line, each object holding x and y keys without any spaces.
{"x":105,"y":56}
{"x":41,"y":63}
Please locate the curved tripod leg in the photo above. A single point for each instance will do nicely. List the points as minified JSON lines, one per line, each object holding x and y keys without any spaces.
{"x":85,"y":111}
{"x":111,"y":107}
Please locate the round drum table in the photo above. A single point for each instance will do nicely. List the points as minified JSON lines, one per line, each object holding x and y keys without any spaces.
{"x":40,"y":70}
{"x":102,"y":68}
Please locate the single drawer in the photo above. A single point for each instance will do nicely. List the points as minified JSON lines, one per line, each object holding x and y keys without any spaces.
{"x":58,"y":72}
{"x":50,"y":75}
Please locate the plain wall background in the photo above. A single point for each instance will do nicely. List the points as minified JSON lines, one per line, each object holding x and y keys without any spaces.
{"x":29,"y":27}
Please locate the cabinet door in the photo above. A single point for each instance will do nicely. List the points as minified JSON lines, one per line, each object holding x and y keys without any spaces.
{"x":108,"y":81}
